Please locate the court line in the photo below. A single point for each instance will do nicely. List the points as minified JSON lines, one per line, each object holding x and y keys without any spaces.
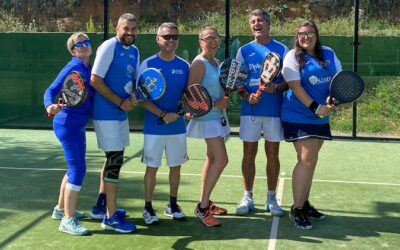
{"x":275,"y":219}
{"x":225,"y":176}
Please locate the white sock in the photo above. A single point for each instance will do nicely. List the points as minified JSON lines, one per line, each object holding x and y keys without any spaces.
{"x":248,"y":193}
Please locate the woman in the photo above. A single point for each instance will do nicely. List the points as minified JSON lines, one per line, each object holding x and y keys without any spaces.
{"x":69,"y":126}
{"x":308,"y":69}
{"x":204,"y":70}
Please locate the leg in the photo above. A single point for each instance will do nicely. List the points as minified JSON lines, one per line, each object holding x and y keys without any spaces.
{"x":174,"y":179}
{"x":272,"y":170}
{"x":215,"y":163}
{"x":248,"y":164}
{"x":307,"y":157}
{"x":149,"y":183}
{"x":60,"y":203}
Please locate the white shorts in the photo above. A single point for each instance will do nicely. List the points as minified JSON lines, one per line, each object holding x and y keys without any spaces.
{"x":112,"y":135}
{"x":207,"y":129}
{"x":252,"y":126}
{"x":174,"y":146}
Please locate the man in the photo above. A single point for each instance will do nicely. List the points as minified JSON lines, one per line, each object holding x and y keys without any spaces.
{"x":113,"y":75}
{"x":260,"y":114}
{"x":171,"y":135}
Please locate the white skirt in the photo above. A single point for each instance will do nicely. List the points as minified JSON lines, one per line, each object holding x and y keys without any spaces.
{"x":207,"y":129}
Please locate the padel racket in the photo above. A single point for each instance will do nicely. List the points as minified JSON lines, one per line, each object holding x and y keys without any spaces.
{"x":270,"y":70}
{"x":73,"y":92}
{"x":195,"y":100}
{"x":232,"y":75}
{"x":346,"y":87}
{"x":151,"y":85}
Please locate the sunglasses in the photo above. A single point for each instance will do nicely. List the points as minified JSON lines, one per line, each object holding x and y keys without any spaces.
{"x":210,"y":38}
{"x":79,"y":45}
{"x":303,"y":35}
{"x":169,"y":37}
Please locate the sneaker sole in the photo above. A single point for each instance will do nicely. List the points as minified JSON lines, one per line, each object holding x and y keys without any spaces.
{"x":96,"y":217}
{"x":107,"y":227}
{"x":299,"y":227}
{"x":75,"y":234}
{"x":175,"y":218}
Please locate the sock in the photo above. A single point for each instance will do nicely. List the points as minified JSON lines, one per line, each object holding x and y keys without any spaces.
{"x":271,"y":195}
{"x":173,"y":204}
{"x":202,"y":210}
{"x":101,"y":200}
{"x":248,"y":193}
{"x":148,"y":206}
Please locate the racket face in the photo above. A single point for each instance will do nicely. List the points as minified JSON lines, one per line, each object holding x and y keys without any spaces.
{"x":151,"y":85}
{"x":74,"y":91}
{"x":232,"y":74}
{"x":196,"y":100}
{"x":346,"y":87}
{"x":271,"y":68}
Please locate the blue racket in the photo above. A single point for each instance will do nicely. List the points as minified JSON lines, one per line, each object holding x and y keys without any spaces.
{"x":151,"y":85}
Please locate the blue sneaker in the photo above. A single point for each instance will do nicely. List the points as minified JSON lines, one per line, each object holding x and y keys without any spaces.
{"x":272,"y":206}
{"x":98,"y":213}
{"x":118,"y":224}
{"x":58,"y":214}
{"x":245,"y":205}
{"x":72,"y":226}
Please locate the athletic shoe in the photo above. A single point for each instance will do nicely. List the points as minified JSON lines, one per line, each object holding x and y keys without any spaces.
{"x":215,"y":210}
{"x":150,"y":217}
{"x":58,"y":214}
{"x":177,"y":214}
{"x":272,"y":206}
{"x":98,"y":213}
{"x":312,"y":212}
{"x":118,"y":224}
{"x":245,"y":206}
{"x":207,"y":218}
{"x":299,"y":218}
{"x":72,"y":226}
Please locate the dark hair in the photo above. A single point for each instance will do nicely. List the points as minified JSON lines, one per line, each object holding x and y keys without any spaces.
{"x":300,"y":52}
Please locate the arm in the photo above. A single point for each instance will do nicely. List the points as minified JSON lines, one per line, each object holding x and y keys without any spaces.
{"x":98,"y":84}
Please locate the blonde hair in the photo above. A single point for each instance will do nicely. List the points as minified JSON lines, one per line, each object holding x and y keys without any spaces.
{"x":72,"y":39}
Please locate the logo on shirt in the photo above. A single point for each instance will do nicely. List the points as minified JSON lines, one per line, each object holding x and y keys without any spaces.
{"x":254,"y":67}
{"x":315,"y":80}
{"x":177,"y":71}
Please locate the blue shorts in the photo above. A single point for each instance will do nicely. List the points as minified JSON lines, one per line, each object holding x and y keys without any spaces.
{"x":297,"y":131}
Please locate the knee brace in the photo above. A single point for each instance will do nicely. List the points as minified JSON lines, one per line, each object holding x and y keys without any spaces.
{"x":113,"y":165}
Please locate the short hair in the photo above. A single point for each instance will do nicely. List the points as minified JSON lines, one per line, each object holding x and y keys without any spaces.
{"x":207,"y":27}
{"x":170,"y":25}
{"x":260,"y":12}
{"x":72,"y":39}
{"x":127,"y":16}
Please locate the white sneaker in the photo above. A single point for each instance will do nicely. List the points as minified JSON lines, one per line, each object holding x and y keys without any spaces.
{"x":150,"y":217}
{"x":72,"y":226}
{"x":272,"y":206}
{"x":245,"y":206}
{"x":177,"y":215}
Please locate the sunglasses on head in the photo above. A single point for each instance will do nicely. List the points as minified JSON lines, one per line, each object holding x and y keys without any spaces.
{"x":169,"y":37}
{"x":304,"y":34}
{"x":79,"y":45}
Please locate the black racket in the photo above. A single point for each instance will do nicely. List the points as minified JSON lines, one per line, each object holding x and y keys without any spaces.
{"x":346,"y":87}
{"x":195,"y":100}
{"x":151,"y":85}
{"x":73,"y":92}
{"x":270,"y":70}
{"x":232,"y":75}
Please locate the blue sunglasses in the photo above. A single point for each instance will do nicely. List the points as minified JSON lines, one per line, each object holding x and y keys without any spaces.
{"x":79,"y":45}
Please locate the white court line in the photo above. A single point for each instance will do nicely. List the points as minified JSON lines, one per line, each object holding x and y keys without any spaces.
{"x":225,"y":176}
{"x":275,"y":220}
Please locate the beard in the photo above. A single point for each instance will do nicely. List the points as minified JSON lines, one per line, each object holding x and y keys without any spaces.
{"x":126,"y":41}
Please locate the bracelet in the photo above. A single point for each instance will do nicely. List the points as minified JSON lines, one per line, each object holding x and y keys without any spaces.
{"x":163,"y":114}
{"x":314,"y":107}
{"x":213,"y":104}
{"x":120,"y":104}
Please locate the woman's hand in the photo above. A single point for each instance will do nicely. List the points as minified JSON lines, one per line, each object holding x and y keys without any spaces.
{"x":53,"y":109}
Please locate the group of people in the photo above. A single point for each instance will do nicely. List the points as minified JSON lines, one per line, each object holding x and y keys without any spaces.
{"x":289,"y":109}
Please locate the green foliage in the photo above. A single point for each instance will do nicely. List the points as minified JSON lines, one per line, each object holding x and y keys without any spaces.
{"x":90,"y":26}
{"x":9,"y":23}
